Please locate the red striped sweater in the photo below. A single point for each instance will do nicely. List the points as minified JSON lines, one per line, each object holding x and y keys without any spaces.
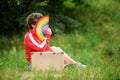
{"x":33,"y":44}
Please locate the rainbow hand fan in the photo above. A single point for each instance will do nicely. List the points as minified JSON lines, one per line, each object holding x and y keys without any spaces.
{"x":41,"y":27}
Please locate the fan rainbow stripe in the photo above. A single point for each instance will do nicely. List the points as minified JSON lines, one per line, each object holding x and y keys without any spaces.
{"x":41,"y":27}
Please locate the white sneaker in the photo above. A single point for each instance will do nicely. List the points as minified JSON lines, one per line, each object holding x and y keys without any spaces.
{"x":81,"y":65}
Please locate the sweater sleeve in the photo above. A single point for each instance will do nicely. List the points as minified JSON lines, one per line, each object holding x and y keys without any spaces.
{"x":32,"y":43}
{"x":48,"y":37}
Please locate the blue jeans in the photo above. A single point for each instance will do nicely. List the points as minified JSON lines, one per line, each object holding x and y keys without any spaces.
{"x":29,"y":66}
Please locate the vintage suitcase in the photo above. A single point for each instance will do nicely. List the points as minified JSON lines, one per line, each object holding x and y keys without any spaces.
{"x":47,"y":60}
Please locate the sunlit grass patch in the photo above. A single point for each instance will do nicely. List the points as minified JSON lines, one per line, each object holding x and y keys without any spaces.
{"x":99,"y":64}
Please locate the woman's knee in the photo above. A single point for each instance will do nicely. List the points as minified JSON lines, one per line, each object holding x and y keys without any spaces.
{"x":59,"y":49}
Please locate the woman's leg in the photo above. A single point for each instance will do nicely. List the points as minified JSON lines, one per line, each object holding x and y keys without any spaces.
{"x":67,"y":59}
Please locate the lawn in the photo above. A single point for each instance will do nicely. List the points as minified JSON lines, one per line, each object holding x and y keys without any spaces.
{"x":100,"y":54}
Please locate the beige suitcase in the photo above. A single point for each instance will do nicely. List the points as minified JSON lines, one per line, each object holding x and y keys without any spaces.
{"x":47,"y":60}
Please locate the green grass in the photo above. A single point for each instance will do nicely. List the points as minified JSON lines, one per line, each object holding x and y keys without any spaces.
{"x":96,"y":43}
{"x":100,"y":54}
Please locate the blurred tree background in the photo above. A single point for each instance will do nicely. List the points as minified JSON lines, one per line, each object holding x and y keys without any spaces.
{"x":65,"y":15}
{"x":90,"y":33}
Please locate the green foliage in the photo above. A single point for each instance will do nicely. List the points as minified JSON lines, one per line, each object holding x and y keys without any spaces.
{"x":93,"y":38}
{"x":63,"y":24}
{"x":89,"y":49}
{"x":69,"y":4}
{"x":73,"y":14}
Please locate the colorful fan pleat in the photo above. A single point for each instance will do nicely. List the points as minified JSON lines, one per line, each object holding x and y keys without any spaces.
{"x":41,"y":27}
